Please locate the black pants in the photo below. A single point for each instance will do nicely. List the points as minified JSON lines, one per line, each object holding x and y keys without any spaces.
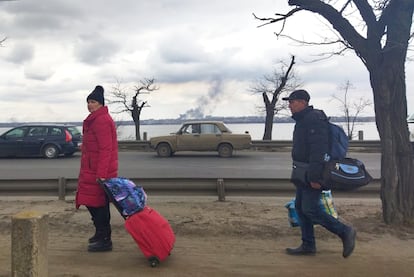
{"x":101,"y":217}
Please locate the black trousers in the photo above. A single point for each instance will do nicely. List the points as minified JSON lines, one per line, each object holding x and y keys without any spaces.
{"x":101,"y":217}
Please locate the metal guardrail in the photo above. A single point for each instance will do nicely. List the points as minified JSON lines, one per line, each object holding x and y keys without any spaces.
{"x":264,"y":145}
{"x":64,"y":187}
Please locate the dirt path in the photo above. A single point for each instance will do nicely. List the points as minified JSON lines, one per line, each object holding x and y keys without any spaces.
{"x":239,"y":237}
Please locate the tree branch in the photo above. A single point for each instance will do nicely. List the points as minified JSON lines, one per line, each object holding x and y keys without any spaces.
{"x":279,"y":17}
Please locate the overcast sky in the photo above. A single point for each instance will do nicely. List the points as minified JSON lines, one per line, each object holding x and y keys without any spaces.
{"x":204,"y":56}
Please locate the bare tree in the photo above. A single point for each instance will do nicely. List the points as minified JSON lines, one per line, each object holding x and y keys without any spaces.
{"x":380,"y":39}
{"x":132,"y":104}
{"x":351,"y":109}
{"x":271,"y":87}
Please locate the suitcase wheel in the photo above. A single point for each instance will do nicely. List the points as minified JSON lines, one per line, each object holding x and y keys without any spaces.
{"x":153,"y":261}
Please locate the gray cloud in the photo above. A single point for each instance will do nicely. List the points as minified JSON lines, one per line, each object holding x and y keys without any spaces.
{"x":38,"y":72}
{"x":63,"y":48}
{"x":93,"y":49}
{"x":39,"y":18}
{"x":20,"y":53}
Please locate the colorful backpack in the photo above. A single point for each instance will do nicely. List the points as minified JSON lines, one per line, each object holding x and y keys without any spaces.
{"x":130,"y":197}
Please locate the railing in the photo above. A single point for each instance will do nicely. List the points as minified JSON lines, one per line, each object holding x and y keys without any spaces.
{"x":64,"y":187}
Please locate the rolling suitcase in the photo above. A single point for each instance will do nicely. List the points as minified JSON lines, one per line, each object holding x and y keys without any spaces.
{"x":150,"y":230}
{"x":153,"y":234}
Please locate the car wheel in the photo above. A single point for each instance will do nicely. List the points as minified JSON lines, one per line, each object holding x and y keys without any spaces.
{"x":164,"y":150}
{"x":225,"y":150}
{"x":50,"y":151}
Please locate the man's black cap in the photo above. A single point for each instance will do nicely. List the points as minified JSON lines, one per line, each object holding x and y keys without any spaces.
{"x":298,"y":94}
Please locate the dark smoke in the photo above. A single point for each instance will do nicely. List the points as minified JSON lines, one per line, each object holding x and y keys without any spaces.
{"x":205,"y":102}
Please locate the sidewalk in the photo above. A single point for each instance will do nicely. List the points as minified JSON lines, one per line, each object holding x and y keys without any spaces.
{"x":238,"y":237}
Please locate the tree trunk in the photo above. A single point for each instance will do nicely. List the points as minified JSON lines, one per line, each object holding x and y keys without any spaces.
{"x":137,"y":130}
{"x":387,"y":76}
{"x":136,"y":118}
{"x":270,"y":114}
{"x":397,"y":171}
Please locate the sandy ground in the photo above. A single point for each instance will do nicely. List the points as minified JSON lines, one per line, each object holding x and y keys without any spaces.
{"x":238,"y":237}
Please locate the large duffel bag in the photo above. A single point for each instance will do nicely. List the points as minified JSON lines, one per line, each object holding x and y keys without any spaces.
{"x":345,"y":174}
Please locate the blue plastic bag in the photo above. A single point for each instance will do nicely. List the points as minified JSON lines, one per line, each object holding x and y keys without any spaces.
{"x":292,"y":215}
{"x":326,"y":203}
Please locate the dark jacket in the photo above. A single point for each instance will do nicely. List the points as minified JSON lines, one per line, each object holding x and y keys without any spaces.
{"x":311,"y":141}
{"x":99,"y":157}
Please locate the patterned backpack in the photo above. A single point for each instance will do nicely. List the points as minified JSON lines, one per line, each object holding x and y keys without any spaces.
{"x":129,"y":197}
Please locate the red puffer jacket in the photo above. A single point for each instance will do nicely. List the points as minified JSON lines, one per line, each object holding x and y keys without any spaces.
{"x":99,"y":157}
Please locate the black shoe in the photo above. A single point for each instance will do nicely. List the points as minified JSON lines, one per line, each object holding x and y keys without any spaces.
{"x":101,"y":245}
{"x":94,"y":238}
{"x":348,"y":241}
{"x":100,"y":233}
{"x":301,"y":250}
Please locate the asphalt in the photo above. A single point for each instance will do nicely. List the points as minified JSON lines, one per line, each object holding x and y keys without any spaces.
{"x":244,"y":164}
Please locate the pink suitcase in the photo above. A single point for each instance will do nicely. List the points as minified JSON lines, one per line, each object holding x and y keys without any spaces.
{"x":153,"y":234}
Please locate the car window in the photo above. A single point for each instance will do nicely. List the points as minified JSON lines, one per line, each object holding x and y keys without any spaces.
{"x":16,"y":133}
{"x":37,"y":131}
{"x":209,"y":129}
{"x":56,"y":131}
{"x":74,"y":131}
{"x":191,"y":129}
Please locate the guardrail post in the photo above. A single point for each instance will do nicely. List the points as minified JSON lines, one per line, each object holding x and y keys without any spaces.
{"x":62,"y":188}
{"x":221,"y":190}
{"x":29,"y":244}
{"x":145,"y":135}
{"x":360,"y":135}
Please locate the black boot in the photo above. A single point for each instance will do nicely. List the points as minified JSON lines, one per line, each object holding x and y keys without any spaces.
{"x":301,"y":250}
{"x":102,"y":241}
{"x":348,"y":241}
{"x":95,"y":237}
{"x":102,"y":245}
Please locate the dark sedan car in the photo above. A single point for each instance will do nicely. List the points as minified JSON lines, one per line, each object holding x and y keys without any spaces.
{"x":48,"y":141}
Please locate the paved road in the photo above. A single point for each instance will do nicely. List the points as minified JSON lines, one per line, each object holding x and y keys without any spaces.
{"x":245,"y":164}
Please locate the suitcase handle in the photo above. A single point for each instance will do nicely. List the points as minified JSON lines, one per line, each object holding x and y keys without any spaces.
{"x":111,"y":197}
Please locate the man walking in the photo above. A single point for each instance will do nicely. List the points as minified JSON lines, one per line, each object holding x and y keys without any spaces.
{"x":310,"y":148}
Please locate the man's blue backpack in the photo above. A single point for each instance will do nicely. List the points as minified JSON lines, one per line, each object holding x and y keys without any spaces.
{"x":338,"y":142}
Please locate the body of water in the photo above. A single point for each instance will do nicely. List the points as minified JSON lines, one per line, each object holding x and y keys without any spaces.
{"x":281,"y":131}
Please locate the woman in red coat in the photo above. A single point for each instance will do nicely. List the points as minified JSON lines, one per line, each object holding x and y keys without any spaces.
{"x":99,"y":161}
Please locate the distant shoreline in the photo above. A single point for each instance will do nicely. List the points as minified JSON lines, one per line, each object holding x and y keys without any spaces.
{"x":232,"y":120}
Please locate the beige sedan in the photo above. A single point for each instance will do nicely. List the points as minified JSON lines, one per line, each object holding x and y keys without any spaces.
{"x":201,"y":136}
